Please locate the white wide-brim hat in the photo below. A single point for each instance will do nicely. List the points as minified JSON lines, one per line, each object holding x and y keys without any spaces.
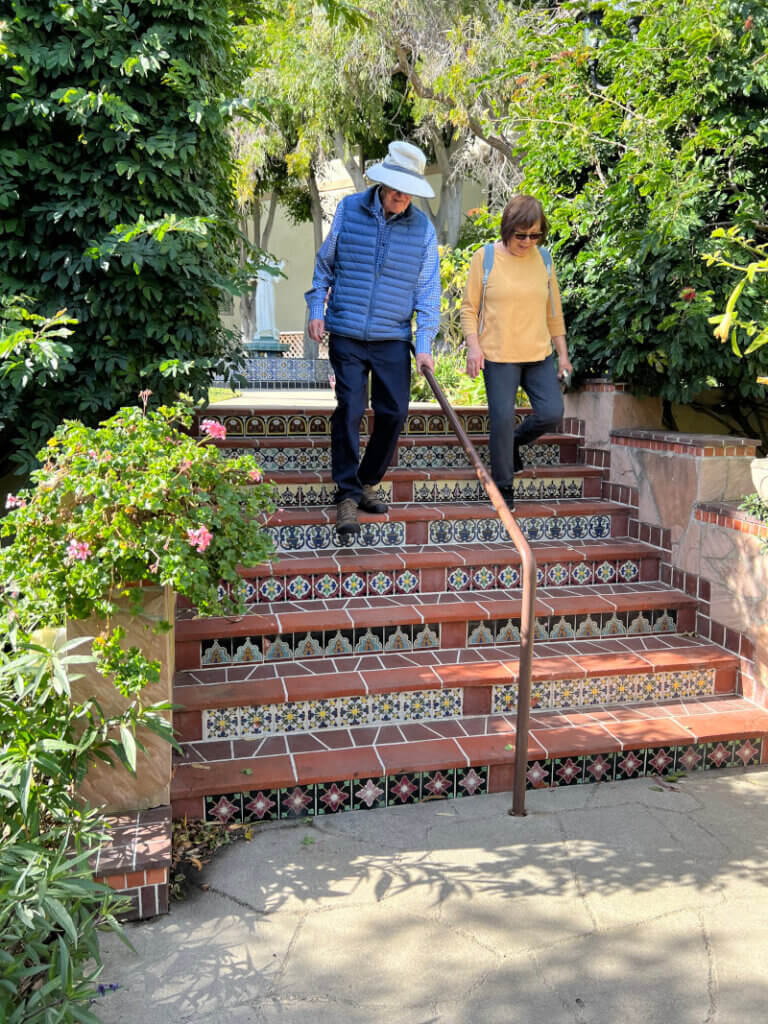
{"x":403,"y":169}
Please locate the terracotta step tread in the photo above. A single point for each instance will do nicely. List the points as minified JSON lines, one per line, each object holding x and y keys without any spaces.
{"x":296,"y":476}
{"x":369,"y":612}
{"x":239,"y":685}
{"x":442,"y":556}
{"x":419,"y":512}
{"x":387,"y":750}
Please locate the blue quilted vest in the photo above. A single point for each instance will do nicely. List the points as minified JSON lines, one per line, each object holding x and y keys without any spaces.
{"x":376,"y":271}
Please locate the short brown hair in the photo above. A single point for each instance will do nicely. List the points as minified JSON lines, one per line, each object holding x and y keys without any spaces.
{"x":520,"y":213}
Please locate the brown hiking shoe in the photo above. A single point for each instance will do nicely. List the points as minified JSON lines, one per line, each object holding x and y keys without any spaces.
{"x":371,"y":502}
{"x":346,"y":517}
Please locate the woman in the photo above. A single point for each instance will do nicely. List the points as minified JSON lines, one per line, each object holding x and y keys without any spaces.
{"x":510,"y":333}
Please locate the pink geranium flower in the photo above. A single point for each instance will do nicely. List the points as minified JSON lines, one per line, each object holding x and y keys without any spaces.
{"x":255,"y":475}
{"x":200,"y":538}
{"x":13,"y":502}
{"x":78,"y":551}
{"x":213,"y":428}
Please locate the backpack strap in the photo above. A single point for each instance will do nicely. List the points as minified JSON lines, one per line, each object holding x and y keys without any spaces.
{"x":546,"y":256}
{"x":488,"y":255}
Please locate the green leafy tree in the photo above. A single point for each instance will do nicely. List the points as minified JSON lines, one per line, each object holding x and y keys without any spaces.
{"x":642,"y":128}
{"x":113,"y":115}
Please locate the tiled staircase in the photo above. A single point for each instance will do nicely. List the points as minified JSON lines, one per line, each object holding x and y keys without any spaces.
{"x":385,"y":672}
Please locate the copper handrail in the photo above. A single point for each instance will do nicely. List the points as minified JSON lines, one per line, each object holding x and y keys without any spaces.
{"x":529,"y":597}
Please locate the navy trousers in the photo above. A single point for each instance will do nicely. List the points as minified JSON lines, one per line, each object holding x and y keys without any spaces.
{"x":540,"y":383}
{"x":388,"y":364}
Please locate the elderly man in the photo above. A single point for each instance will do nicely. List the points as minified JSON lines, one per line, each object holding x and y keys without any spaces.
{"x":378,"y":266}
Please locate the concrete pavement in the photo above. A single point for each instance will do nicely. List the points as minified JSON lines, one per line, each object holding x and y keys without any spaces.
{"x":606,"y":904}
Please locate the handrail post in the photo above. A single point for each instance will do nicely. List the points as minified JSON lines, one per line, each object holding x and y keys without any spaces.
{"x":527,"y":616}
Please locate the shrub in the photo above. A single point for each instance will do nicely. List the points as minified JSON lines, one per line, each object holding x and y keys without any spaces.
{"x":113,"y":120}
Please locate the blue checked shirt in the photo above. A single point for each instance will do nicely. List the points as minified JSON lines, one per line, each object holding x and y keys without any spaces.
{"x":428,"y":290}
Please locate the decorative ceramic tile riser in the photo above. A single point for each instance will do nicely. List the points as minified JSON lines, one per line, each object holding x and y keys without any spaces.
{"x":407,"y":581}
{"x":552,"y":574}
{"x":425,"y":456}
{"x":493,"y":531}
{"x":321,"y":537}
{"x":319,"y":644}
{"x":548,"y":694}
{"x":585,"y":626}
{"x":313,"y":495}
{"x":651,"y":762}
{"x":325,"y":538}
{"x":530,"y":489}
{"x":319,"y":424}
{"x":328,"y":585}
{"x":318,"y":457}
{"x":345,"y":795}
{"x":332,"y":713}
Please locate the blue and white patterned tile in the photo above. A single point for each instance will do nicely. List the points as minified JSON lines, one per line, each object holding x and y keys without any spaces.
{"x":557,"y":575}
{"x":507,"y":632}
{"x":541,"y":693}
{"x":318,"y":538}
{"x":416,"y":706}
{"x":483,"y":578}
{"x":638,"y":624}
{"x":322,"y":714}
{"x":458,"y":580}
{"x":369,"y":641}
{"x":355,"y":710}
{"x":629,"y":571}
{"x":408,"y":582}
{"x":613,"y":626}
{"x":381,"y":583}
{"x":221,"y":723}
{"x":216,"y":652}
{"x":397,"y":639}
{"x":246,"y":652}
{"x":339,"y":643}
{"x":392,"y":534}
{"x":311,"y":645}
{"x":504,"y":698}
{"x":581,"y":573}
{"x":386,"y":707}
{"x":277,"y":649}
{"x":567,"y":693}
{"x":257,"y":720}
{"x":448,"y":703}
{"x":562,"y":629}
{"x":353,"y":585}
{"x":663,"y":622}
{"x":488,"y":531}
{"x":290,"y":717}
{"x":509,"y":577}
{"x":479,"y":633}
{"x":426,"y":637}
{"x":326,"y":586}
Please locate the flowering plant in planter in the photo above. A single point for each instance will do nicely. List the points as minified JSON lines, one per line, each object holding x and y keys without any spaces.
{"x":134,"y":501}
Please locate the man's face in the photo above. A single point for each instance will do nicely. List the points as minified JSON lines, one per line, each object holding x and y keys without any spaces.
{"x":394,"y":201}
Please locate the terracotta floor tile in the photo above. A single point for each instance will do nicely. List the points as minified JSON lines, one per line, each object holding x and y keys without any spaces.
{"x":620,"y":663}
{"x":477,"y":674}
{"x":421,"y":756}
{"x":493,"y":749}
{"x":227,"y":777}
{"x":728,"y":726}
{"x":414,"y":677}
{"x":342,"y":684}
{"x":389,"y":734}
{"x":575,"y":741}
{"x":335,"y":739}
{"x":303,"y":743}
{"x":657,"y":732}
{"x":337,"y":764}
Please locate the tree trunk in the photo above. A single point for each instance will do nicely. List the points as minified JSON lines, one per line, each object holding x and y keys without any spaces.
{"x":317,"y":210}
{"x":353,"y":169}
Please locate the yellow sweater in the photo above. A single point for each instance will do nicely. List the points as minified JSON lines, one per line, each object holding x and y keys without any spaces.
{"x":519,"y":321}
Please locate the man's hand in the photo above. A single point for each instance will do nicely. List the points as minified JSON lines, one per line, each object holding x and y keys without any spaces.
{"x":424,"y":359}
{"x":316,"y":330}
{"x":475,"y":359}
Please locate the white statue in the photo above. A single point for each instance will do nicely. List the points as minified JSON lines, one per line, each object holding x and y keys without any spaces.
{"x":264,"y":301}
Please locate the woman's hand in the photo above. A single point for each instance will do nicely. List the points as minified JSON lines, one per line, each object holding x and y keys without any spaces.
{"x":475,"y":357}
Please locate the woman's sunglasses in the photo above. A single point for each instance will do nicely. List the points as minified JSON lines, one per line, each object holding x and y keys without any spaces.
{"x":533,"y":235}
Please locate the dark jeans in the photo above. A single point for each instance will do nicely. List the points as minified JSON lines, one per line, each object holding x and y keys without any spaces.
{"x":540,"y":383}
{"x":388,"y":363}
